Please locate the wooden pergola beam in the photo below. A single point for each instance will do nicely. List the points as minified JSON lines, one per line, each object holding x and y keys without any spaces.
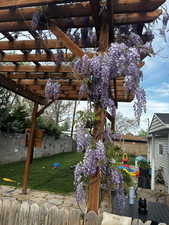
{"x":39,"y":75}
{"x":8,"y":36}
{"x":69,"y":82}
{"x":21,"y":90}
{"x":46,"y":75}
{"x":118,"y":19}
{"x":25,"y":68}
{"x":74,"y":48}
{"x":31,"y":44}
{"x":34,"y":57}
{"x":78,"y":9}
{"x":25,"y":3}
{"x":74,"y":95}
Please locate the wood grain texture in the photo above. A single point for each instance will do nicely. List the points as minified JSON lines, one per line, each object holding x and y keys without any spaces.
{"x":118,"y":19}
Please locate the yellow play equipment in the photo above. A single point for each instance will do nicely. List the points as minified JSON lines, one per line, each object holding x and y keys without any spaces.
{"x":125,"y":158}
{"x":8,"y":180}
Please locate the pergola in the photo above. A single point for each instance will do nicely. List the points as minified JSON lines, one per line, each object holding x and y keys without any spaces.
{"x":25,"y":72}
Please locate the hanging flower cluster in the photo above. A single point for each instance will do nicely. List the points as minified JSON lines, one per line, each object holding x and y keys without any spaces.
{"x":93,"y":159}
{"x":52,"y":89}
{"x":110,"y":137}
{"x":164,"y":25}
{"x":86,"y":36}
{"x":83,"y":138}
{"x":121,"y":59}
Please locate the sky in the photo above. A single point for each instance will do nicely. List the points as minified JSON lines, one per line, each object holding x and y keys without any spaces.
{"x":155,"y":80}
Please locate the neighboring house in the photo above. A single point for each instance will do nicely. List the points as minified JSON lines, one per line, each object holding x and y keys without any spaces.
{"x":158,"y":152}
{"x":134,"y":145}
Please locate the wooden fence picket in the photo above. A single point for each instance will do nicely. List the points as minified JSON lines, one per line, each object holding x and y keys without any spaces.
{"x":1,"y":205}
{"x":24,"y":213}
{"x":75,"y":217}
{"x":34,"y":214}
{"x":43,"y":213}
{"x":91,"y":218}
{"x":6,"y":207}
{"x":14,"y":213}
{"x":66,"y":216}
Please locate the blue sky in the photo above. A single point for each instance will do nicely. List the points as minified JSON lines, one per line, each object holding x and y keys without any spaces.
{"x":155,"y":81}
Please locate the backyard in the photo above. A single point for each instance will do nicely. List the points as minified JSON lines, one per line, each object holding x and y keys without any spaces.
{"x":43,"y":176}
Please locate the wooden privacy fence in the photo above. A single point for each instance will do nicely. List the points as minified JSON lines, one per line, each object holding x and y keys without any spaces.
{"x":13,"y":212}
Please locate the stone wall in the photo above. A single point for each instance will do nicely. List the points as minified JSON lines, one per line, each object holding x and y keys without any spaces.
{"x":12,"y":147}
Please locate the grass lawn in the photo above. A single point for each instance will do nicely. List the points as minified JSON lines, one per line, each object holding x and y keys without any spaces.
{"x":42,"y":175}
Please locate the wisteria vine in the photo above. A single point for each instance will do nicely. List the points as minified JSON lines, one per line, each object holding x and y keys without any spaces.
{"x":121,"y":59}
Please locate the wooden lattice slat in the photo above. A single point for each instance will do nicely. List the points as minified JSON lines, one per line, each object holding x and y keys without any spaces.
{"x":118,"y":19}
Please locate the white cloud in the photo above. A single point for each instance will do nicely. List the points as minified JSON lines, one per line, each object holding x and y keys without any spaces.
{"x":162,"y":91}
{"x":153,"y":106}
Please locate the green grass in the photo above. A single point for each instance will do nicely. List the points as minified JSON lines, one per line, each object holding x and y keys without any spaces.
{"x":42,"y":175}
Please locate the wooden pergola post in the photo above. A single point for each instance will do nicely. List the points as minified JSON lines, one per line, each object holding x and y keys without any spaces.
{"x":30,"y":149}
{"x":94,"y":185}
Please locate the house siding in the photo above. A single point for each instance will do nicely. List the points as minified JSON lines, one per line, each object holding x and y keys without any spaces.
{"x":162,"y":160}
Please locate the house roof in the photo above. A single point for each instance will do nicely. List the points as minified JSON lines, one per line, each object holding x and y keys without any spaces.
{"x":164,"y":117}
{"x":130,"y":138}
{"x":159,"y":123}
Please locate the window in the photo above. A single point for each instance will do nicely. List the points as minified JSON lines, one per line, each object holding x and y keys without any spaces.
{"x":161,"y":149}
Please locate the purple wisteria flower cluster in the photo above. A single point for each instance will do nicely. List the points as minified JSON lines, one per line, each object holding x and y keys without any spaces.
{"x":52,"y":89}
{"x":83,"y":138}
{"x":121,"y":59}
{"x":114,"y":181}
{"x":110,"y":137}
{"x":85,"y":36}
{"x":93,"y":160}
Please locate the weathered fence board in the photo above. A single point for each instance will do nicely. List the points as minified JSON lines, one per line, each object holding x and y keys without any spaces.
{"x":13,"y":212}
{"x":24,"y":213}
{"x":34,"y":214}
{"x":75,"y":217}
{"x":6,"y":207}
{"x":91,"y":218}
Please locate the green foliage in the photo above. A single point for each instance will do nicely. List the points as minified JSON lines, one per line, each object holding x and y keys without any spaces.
{"x":143,"y":165}
{"x":14,"y":119}
{"x":143,"y":133}
{"x":49,"y":126}
{"x":42,"y":175}
{"x":127,"y":179}
{"x":19,"y":119}
{"x":85,"y":117}
{"x":4,"y":118}
{"x":131,"y":160}
{"x":65,"y":126}
{"x":113,"y":151}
